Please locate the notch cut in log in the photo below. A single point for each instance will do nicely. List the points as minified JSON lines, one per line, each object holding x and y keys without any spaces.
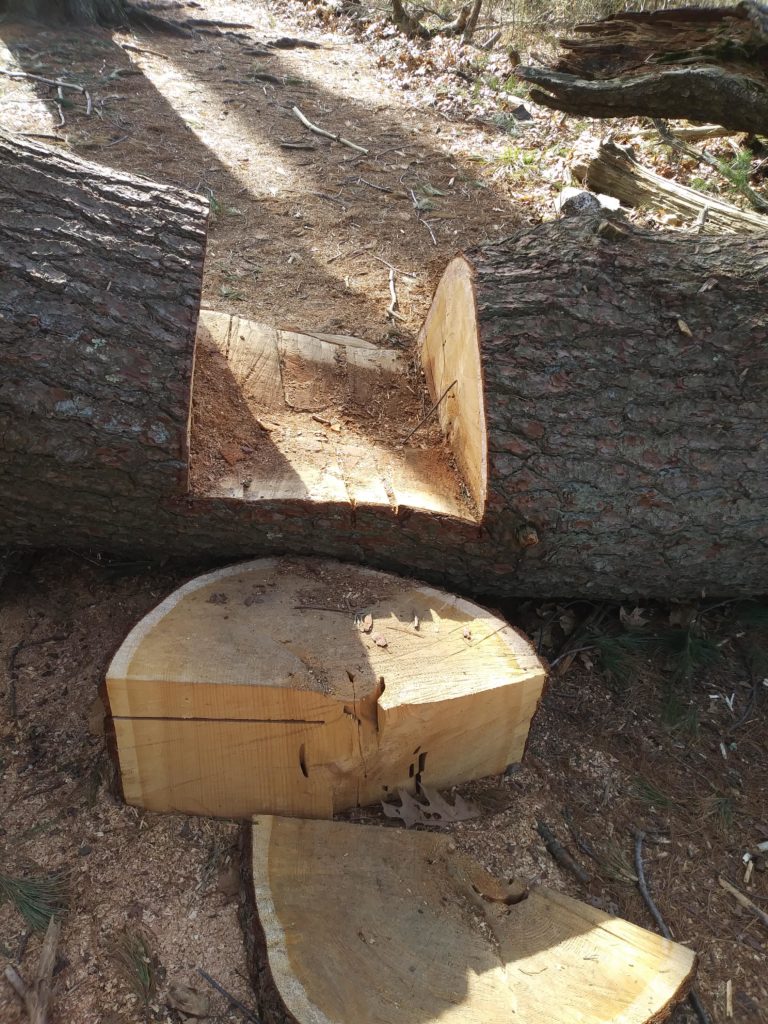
{"x":347,"y":923}
{"x":703,"y":64}
{"x":308,"y":687}
{"x":589,"y":447}
{"x":615,"y":172}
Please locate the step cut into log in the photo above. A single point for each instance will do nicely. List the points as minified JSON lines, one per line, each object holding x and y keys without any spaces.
{"x":591,"y":422}
{"x":307,"y":687}
{"x":350,"y":923}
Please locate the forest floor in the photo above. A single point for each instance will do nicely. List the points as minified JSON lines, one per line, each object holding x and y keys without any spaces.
{"x":304,"y":238}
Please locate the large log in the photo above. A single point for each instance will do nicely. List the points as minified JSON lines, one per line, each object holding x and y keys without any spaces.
{"x":704,"y":64}
{"x":353,"y":923}
{"x":600,"y":392}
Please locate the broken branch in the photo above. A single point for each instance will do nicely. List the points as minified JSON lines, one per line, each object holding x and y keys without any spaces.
{"x":37,"y":995}
{"x":559,"y":853}
{"x":327,"y":135}
{"x":743,"y":900}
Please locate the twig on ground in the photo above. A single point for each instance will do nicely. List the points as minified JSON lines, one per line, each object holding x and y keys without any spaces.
{"x":297,"y":145}
{"x":393,"y":307}
{"x":327,"y":135}
{"x":391,"y":266}
{"x":424,"y":419}
{"x":12,"y":73}
{"x":246,"y":1011}
{"x":642,"y":885}
{"x":744,"y":901}
{"x":585,"y":847}
{"x":703,"y":157}
{"x":559,"y":853}
{"x":37,"y":995}
{"x":142,"y":49}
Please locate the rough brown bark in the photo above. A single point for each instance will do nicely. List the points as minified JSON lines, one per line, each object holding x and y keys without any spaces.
{"x":704,"y":64}
{"x":99,"y":300}
{"x":626,"y":456}
{"x":82,"y":12}
{"x":614,"y":172}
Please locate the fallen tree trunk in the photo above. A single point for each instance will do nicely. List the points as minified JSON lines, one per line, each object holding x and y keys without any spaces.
{"x":597,"y":399}
{"x":614,"y":172}
{"x":352,"y":923}
{"x":703,"y":64}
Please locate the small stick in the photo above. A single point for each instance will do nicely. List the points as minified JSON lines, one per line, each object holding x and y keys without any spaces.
{"x":429,"y":229}
{"x":297,"y":145}
{"x":39,"y":78}
{"x":561,"y":855}
{"x":391,"y":266}
{"x":693,"y":997}
{"x":744,"y":901}
{"x":582,"y":843}
{"x":248,"y":1013}
{"x":327,"y":135}
{"x":422,"y":421}
{"x":392,"y":308}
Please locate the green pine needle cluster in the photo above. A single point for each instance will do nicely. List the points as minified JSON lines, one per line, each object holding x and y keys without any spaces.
{"x":37,"y":898}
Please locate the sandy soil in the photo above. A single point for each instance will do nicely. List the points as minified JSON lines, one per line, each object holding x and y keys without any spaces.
{"x":294,"y":242}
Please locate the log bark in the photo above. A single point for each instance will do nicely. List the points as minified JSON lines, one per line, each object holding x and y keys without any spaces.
{"x":307,"y":687}
{"x":351,"y":923}
{"x":99,"y":299}
{"x":600,"y":391}
{"x":704,"y":64}
{"x":614,"y":172}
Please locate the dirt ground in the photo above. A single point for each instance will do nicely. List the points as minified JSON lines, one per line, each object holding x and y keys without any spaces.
{"x":302,"y":238}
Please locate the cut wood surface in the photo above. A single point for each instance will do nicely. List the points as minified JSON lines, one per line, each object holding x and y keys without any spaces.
{"x":615,"y":172}
{"x":349,"y":923}
{"x":306,"y":687}
{"x":703,"y":64}
{"x":287,"y":416}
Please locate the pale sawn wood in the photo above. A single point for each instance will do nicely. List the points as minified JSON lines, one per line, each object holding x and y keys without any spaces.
{"x":349,"y":923}
{"x":254,"y":690}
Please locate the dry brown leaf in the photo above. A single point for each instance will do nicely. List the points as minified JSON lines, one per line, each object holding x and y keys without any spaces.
{"x":632,"y":620}
{"x":188,"y":1000}
{"x":431,"y":809}
{"x":684,"y":328}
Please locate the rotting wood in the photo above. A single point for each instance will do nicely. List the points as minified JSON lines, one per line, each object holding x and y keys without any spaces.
{"x":350,"y":923}
{"x":614,"y":171}
{"x":242,"y":694}
{"x":703,"y":64}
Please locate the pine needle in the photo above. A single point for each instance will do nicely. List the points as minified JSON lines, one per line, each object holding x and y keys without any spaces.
{"x":137,"y":963}
{"x":37,"y":898}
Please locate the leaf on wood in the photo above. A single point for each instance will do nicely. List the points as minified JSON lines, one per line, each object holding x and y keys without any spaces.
{"x":708,"y":285}
{"x":365,"y":624}
{"x":380,"y":641}
{"x":684,"y":328}
{"x":416,"y":621}
{"x":466,"y":633}
{"x":217,"y":598}
{"x":430,"y":809}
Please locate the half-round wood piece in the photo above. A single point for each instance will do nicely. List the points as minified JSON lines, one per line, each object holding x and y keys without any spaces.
{"x":350,"y":923}
{"x":302,"y":686}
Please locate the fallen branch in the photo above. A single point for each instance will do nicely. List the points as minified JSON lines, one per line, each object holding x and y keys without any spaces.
{"x":327,"y":135}
{"x":559,"y":853}
{"x":615,"y":172}
{"x":392,"y":308}
{"x":642,"y":885}
{"x":37,"y":995}
{"x":744,"y":901}
{"x":12,"y":73}
{"x":706,"y":131}
{"x":703,"y":157}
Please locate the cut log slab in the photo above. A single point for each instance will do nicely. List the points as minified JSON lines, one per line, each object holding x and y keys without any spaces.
{"x":615,"y":172}
{"x":703,"y":64}
{"x":307,"y":687}
{"x":348,"y":923}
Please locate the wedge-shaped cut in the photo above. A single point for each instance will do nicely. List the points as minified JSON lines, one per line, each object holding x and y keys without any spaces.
{"x":302,"y":686}
{"x":352,"y":923}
